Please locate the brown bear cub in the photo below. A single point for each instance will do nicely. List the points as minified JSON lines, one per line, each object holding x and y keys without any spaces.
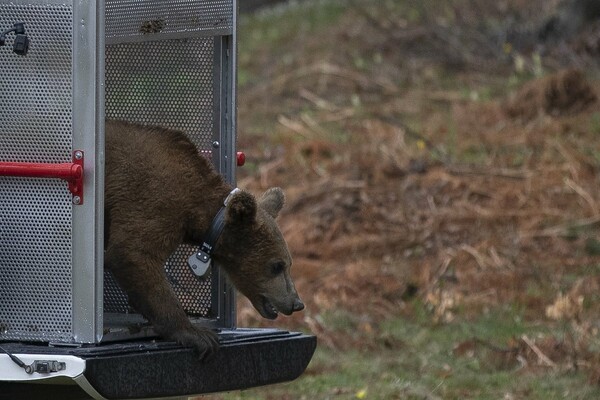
{"x":160,"y":192}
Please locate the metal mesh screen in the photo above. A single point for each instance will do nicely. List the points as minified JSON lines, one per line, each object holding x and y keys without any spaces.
{"x":168,"y":83}
{"x":35,"y":214}
{"x":194,"y":295}
{"x":138,"y":17}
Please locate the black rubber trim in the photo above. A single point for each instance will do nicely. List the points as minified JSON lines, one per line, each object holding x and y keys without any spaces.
{"x":30,"y":391}
{"x":180,"y":372}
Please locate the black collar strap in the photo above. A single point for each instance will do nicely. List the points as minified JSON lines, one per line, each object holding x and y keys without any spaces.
{"x":200,"y":262}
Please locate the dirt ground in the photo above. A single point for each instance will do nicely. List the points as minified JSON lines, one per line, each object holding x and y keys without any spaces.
{"x":453,"y":167}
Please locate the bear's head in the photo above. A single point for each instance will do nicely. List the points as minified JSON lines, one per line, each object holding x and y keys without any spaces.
{"x":255,"y":255}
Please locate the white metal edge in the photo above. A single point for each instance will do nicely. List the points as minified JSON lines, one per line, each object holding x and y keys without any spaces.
{"x":10,"y":371}
{"x":75,"y":367}
{"x":87,"y":387}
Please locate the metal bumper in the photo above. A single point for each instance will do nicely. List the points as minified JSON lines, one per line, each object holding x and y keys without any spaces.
{"x":155,"y":369}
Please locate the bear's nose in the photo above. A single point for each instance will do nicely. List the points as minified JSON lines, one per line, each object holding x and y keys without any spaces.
{"x":298,"y":305}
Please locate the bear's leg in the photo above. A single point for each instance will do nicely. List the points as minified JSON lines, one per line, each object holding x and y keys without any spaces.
{"x":142,"y":277}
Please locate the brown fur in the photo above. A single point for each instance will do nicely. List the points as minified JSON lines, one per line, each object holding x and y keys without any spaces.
{"x":160,"y":193}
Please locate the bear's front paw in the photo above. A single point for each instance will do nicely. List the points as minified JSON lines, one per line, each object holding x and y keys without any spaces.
{"x":204,"y":341}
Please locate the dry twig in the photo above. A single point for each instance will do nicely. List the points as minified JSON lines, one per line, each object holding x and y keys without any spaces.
{"x":542,"y":357}
{"x":564,"y":229}
{"x":583,"y":194}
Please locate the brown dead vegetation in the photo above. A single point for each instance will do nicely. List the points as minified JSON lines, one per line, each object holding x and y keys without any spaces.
{"x":564,"y":93}
{"x":399,"y":189}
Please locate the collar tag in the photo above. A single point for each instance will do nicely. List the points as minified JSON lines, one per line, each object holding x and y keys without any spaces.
{"x":200,"y":263}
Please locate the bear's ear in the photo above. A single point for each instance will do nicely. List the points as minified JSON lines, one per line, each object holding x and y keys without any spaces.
{"x":241,"y":209}
{"x":272,"y":201}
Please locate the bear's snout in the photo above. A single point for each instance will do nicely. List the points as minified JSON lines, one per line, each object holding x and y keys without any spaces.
{"x":298,"y":305}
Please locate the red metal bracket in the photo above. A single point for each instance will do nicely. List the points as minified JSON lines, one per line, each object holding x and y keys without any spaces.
{"x":70,"y":172}
{"x":240,"y":157}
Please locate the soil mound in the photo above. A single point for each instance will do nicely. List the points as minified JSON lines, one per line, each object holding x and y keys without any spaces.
{"x":564,"y":93}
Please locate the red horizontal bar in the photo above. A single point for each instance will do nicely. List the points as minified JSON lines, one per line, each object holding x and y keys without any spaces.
{"x":70,"y":172}
{"x":66,"y":171}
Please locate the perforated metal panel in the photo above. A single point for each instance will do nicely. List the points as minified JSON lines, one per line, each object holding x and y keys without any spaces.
{"x":167,"y":83}
{"x":131,"y":18}
{"x":164,"y":65}
{"x":35,"y":214}
{"x":195,"y":295}
{"x":170,"y":83}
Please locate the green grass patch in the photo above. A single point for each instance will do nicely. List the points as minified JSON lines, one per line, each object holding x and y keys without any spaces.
{"x":273,"y":31}
{"x":424,"y":363}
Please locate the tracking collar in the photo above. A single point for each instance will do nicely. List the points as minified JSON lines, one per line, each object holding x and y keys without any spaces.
{"x":201,"y":261}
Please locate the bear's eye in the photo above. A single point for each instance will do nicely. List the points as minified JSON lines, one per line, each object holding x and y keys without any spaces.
{"x":277,"y":268}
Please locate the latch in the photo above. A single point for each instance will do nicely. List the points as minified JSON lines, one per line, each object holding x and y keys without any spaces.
{"x":45,"y":366}
{"x":21,"y":42}
{"x":39,"y":366}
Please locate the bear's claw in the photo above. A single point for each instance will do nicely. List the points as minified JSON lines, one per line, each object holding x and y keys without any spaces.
{"x":204,"y":341}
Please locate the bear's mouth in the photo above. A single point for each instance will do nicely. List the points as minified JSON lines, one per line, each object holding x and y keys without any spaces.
{"x":267,"y":309}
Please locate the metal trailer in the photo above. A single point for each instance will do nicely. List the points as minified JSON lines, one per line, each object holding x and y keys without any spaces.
{"x":147,"y":61}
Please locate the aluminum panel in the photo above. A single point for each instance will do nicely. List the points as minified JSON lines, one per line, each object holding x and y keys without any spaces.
{"x":88,"y":120}
{"x":36,"y":214}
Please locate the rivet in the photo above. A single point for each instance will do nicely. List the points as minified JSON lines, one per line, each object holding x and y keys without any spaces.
{"x":76,"y":200}
{"x":216,"y":144}
{"x":78,"y":155}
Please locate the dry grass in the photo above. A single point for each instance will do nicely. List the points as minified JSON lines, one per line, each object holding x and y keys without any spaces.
{"x":403,"y":183}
